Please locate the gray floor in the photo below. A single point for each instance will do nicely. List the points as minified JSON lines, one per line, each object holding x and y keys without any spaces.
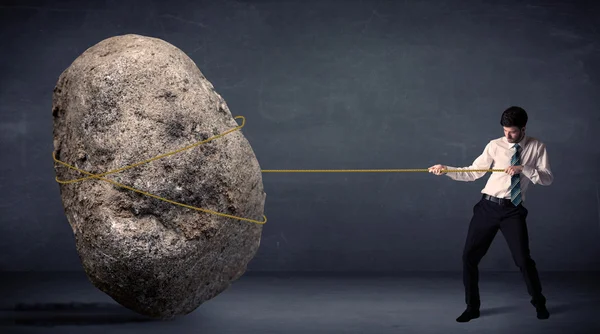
{"x":318,"y":303}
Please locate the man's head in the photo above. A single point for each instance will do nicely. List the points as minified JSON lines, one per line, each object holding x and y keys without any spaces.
{"x":514,"y":120}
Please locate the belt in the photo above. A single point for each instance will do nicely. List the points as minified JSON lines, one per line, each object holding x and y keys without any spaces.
{"x":498,"y":200}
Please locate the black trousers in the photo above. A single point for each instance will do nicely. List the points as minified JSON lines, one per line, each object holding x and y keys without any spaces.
{"x":488,"y":218}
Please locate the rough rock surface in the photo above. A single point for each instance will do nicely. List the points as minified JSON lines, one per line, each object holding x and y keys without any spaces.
{"x":128,"y":99}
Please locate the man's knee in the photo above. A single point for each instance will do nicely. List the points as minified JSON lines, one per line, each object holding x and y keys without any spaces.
{"x":524,"y":262}
{"x":471,"y":258}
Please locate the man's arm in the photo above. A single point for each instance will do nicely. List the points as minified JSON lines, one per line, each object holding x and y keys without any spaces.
{"x":484,"y":161}
{"x":541,"y":173}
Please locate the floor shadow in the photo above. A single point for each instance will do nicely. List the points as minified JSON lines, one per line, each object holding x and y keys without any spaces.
{"x":574,"y":306}
{"x":496,"y":310}
{"x":61,"y":314}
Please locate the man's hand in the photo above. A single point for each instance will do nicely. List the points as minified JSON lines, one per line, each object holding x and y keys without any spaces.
{"x":437,"y":169}
{"x":512,"y":170}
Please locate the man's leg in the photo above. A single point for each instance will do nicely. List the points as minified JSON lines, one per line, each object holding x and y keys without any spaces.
{"x":482,"y":230}
{"x":514,"y":229}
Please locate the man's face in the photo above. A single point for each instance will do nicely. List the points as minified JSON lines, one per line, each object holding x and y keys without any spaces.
{"x":513,"y":134}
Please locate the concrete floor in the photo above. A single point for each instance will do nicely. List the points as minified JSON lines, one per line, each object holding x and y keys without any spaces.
{"x":317,"y":303}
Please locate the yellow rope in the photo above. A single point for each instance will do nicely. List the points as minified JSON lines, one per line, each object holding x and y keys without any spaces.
{"x":372,"y":170}
{"x":100,"y":176}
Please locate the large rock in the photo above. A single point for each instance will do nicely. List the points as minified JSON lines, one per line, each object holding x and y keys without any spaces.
{"x":128,"y":99}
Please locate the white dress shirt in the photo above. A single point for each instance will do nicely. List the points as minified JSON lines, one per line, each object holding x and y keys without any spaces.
{"x":497,"y":155}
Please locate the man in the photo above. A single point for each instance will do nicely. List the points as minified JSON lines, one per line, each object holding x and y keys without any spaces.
{"x":524,"y":160}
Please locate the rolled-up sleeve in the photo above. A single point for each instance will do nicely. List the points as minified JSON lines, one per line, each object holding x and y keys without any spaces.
{"x":540,"y":174}
{"x":484,"y":161}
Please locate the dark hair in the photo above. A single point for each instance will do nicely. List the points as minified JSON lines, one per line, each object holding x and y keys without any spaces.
{"x":514,"y":116}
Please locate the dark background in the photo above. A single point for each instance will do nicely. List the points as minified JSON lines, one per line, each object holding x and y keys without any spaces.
{"x":337,"y":84}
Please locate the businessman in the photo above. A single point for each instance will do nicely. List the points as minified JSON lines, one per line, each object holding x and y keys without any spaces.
{"x":525,"y":161}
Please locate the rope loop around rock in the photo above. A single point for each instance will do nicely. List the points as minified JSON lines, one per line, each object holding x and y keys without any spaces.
{"x":100,"y":176}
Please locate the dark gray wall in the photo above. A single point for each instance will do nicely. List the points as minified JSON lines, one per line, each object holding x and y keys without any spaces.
{"x":337,"y":84}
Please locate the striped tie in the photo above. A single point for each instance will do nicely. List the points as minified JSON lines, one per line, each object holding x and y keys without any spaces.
{"x":515,"y":182}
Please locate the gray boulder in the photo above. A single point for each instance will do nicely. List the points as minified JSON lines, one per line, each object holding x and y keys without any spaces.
{"x":128,"y":99}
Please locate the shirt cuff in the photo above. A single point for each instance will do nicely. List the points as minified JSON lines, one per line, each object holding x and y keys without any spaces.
{"x":451,"y":175}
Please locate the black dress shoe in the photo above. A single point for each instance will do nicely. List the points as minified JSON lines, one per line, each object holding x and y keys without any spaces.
{"x":542,"y":312}
{"x":468,"y":314}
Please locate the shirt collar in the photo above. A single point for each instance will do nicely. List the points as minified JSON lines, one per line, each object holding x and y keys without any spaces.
{"x":522,"y":143}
